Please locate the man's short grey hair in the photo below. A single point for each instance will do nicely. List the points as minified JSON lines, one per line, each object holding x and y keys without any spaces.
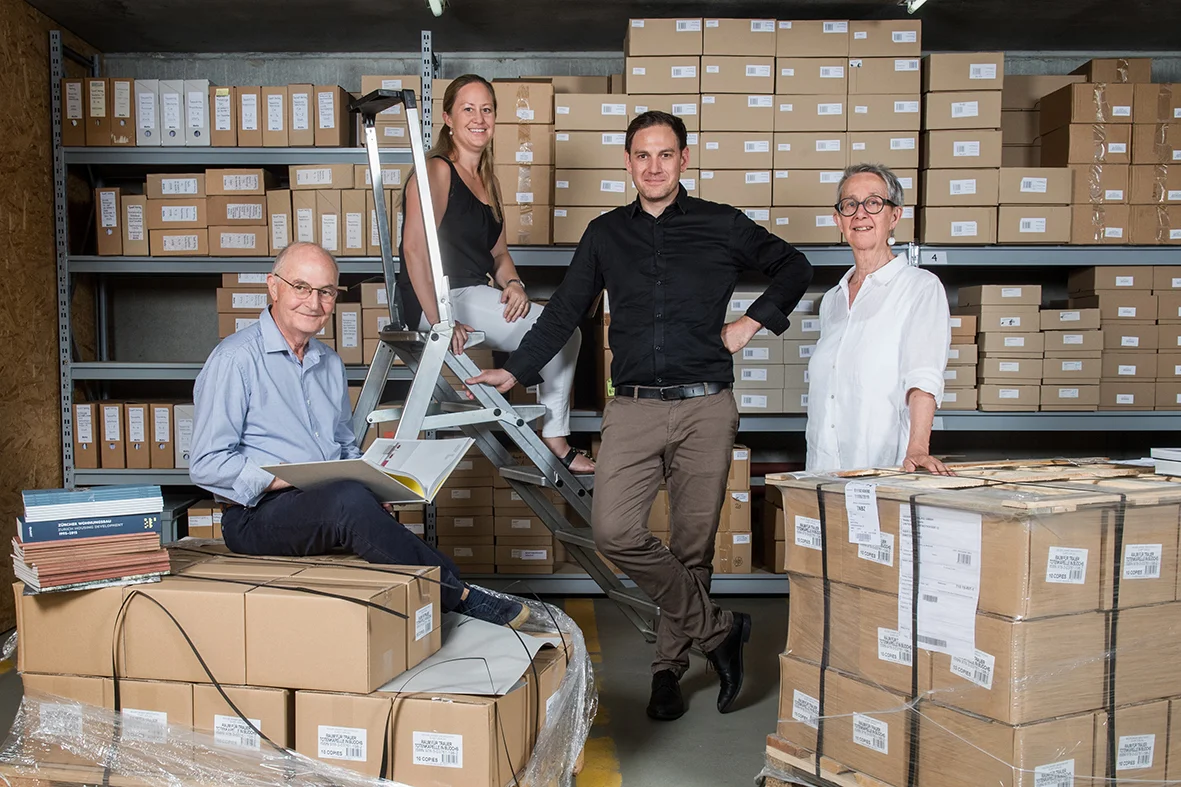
{"x":281,"y":258}
{"x":893,"y":185}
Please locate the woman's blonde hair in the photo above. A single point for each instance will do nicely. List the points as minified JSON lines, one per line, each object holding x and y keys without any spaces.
{"x":445,"y":146}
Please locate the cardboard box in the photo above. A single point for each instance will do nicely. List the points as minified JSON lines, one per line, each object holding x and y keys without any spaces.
{"x":875,"y":744}
{"x":279,"y":213}
{"x":237,"y":211}
{"x":328,"y":220}
{"x":1034,"y":224}
{"x":1116,"y":69}
{"x":958,"y":225}
{"x":958,"y":399}
{"x":1139,"y":730}
{"x":962,"y":355}
{"x":885,"y":38}
{"x":301,"y":112}
{"x":1089,"y":143}
{"x":1070,"y":320}
{"x":1156,"y":103}
{"x":739,"y":113}
{"x":1100,"y":184}
{"x":1086,"y":103}
{"x":570,"y":223}
{"x":1035,"y":186}
{"x":531,"y":185}
{"x":737,"y":150}
{"x":805,"y":225}
{"x":1169,"y":336}
{"x":975,"y":149}
{"x":1117,"y":306}
{"x":50,"y":622}
{"x":949,"y":187}
{"x":108,"y":235}
{"x":736,"y":187}
{"x":963,"y":328}
{"x":275,"y":116}
{"x":797,"y":151}
{"x":1132,"y":338}
{"x":959,"y":376}
{"x":1070,"y":396}
{"x":761,"y":402}
{"x":799,"y":76}
{"x":1158,"y":184}
{"x":348,"y":333}
{"x":463,"y":527}
{"x":182,"y":434}
{"x":590,"y":187}
{"x":175,"y":214}
{"x":249,"y":116}
{"x":963,"y":71}
{"x":350,"y":731}
{"x":1023,"y":92}
{"x":1156,"y":224}
{"x":741,"y":74}
{"x":962,"y":110}
{"x":394,"y":176}
{"x":1019,"y":127}
{"x":73,"y":120}
{"x":98,"y":112}
{"x":890,"y":112}
{"x":527,"y":225}
{"x":239,"y":241}
{"x":812,"y":38}
{"x":884,"y":75}
{"x":161,"y":449}
{"x":1124,"y":395}
{"x":1002,"y":371}
{"x":810,"y":112}
{"x":1004,"y":319}
{"x":1118,"y":366}
{"x":135,"y":236}
{"x":807,"y":187}
{"x":137,"y":450}
{"x":898,"y":150}
{"x":587,"y":150}
{"x":600,"y":112}
{"x":321,"y":176}
{"x":332,"y":127}
{"x":1074,"y":344}
{"x":1006,"y":343}
{"x":1021,"y":155}
{"x":1009,"y":398}
{"x":271,"y":711}
{"x":753,"y":37}
{"x":1168,"y":307}
{"x":1156,"y":144}
{"x":524,"y":101}
{"x":663,"y":37}
{"x":678,"y":75}
{"x":1001,"y":295}
{"x":352,"y":222}
{"x":179,"y":243}
{"x":1100,"y":224}
{"x":733,"y":553}
{"x":685,"y":106}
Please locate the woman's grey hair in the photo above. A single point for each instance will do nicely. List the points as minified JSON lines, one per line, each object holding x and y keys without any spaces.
{"x":893,"y":186}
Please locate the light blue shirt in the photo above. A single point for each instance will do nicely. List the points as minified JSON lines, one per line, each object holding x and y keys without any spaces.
{"x":257,"y":405}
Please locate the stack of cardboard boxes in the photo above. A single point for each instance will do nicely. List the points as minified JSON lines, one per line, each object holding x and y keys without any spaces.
{"x":1020,"y":133}
{"x":392,"y":126}
{"x":963,"y":358}
{"x":524,"y":545}
{"x":1155,"y":187}
{"x":1034,"y":205}
{"x":734,"y":546}
{"x":1166,"y":286}
{"x":997,"y":696}
{"x":589,"y":135}
{"x":524,"y":154}
{"x":1088,"y":127}
{"x":97,"y":111}
{"x":204,"y":519}
{"x":465,"y":517}
{"x":1074,"y":346}
{"x":1127,"y":317}
{"x":961,"y":147}
{"x":771,"y":372}
{"x":1009,"y":342}
{"x":116,"y":435}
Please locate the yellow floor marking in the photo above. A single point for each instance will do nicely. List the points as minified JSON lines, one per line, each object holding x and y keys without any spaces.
{"x":601,"y":768}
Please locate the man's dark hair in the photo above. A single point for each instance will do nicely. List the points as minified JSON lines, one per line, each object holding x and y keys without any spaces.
{"x":656,"y":118}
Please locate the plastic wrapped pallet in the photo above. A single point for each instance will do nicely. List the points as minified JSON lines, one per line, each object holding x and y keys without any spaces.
{"x":1032,"y":642}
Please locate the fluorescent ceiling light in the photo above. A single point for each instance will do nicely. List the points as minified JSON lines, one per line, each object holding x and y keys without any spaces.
{"x":437,"y":6}
{"x":914,"y":5}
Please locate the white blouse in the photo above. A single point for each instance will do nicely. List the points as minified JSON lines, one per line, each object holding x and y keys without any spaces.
{"x":894,"y":338}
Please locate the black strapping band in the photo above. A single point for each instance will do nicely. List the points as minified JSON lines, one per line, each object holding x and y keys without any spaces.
{"x":824,"y":652}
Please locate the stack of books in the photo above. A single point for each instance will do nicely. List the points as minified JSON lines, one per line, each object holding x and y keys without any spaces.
{"x":89,"y":538}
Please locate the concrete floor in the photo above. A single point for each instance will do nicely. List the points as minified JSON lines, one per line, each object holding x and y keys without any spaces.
{"x":702,"y":749}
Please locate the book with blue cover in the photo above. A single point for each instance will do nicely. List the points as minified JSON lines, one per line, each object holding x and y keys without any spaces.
{"x":48,"y":505}
{"x":64,"y":529}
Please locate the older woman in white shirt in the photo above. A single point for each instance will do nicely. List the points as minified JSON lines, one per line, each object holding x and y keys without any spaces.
{"x":885,"y":329}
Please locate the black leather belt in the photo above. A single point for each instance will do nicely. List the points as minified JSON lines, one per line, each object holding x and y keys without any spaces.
{"x":670,"y":393}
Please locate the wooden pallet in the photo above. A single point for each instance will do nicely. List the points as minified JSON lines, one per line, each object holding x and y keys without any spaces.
{"x":785,"y":756}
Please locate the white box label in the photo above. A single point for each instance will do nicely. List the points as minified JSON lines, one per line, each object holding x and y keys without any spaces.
{"x":906,"y":65}
{"x":240,"y":182}
{"x":342,"y":743}
{"x":758,"y":177}
{"x":1130,"y":341}
{"x":1067,"y":566}
{"x":614,"y":139}
{"x":1121,"y":111}
{"x":1072,"y":366}
{"x":145,"y":108}
{"x":326,"y":103}
{"x":1069,"y":316}
{"x":966,"y":149}
{"x":1135,"y":752}
{"x":274,"y":113}
{"x":222,"y":113}
{"x":830,"y":109}
{"x":836,"y":27}
{"x":248,"y":300}
{"x":1127,"y":311}
{"x":1034,"y":185}
{"x":178,"y":186}
{"x":314,"y":177}
{"x":871,"y":733}
{"x":354,"y":238}
{"x":232,"y":731}
{"x":1125,"y":281}
{"x":688,"y":25}
{"x":178,"y":213}
{"x":111,"y":428}
{"x":249,"y":112}
{"x":759,"y":375}
{"x":764,"y":71}
{"x":808,"y":532}
{"x":1010,"y":322}
{"x":1057,"y":774}
{"x":612,"y":109}
{"x":1113,"y":232}
{"x":1015,"y":341}
{"x":170,"y":110}
{"x":180,"y":243}
{"x":963,"y":229}
{"x":238,"y":240}
{"x":350,"y":335}
{"x":424,"y":622}
{"x":882,"y":553}
{"x":904,"y":36}
{"x":1072,"y":338}
{"x":762,"y":101}
{"x":1142,"y":561}
{"x":825,"y":220}
{"x":756,"y":146}
{"x":1117,"y":147}
{"x":804,"y":709}
{"x":1174,"y":195}
{"x":1125,"y":399}
{"x":1033,"y":225}
{"x":762,"y":25}
{"x":1113,"y":195}
{"x":965,"y":109}
{"x":244,"y":211}
{"x":145,"y":725}
{"x":750,"y":400}
{"x":962,"y":187}
{"x":328,"y":231}
{"x":906,"y":107}
{"x":982,"y":71}
{"x":978,"y":670}
{"x":1010,"y":366}
{"x":611,"y":186}
{"x":830,"y":72}
{"x":684,"y":72}
{"x":304,"y":230}
{"x":861,"y":508}
{"x":892,"y":648}
{"x":897,"y":143}
{"x":299,"y":112}
{"x":1009,"y":393}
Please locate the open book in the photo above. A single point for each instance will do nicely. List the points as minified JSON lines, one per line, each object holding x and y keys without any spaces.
{"x":397,"y":471}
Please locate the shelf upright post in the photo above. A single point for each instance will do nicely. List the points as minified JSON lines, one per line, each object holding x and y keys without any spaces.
{"x":61,"y":257}
{"x":428,"y":69}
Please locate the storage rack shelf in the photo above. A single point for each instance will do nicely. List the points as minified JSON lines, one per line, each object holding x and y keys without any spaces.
{"x":87,"y":263}
{"x":242,"y":157}
{"x":577,"y":583}
{"x":116,"y":370}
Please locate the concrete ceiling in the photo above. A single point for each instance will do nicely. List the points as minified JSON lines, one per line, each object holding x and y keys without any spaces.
{"x":578,"y":26}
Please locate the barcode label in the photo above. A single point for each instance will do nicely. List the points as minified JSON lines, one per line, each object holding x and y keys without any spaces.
{"x":1010,"y":366}
{"x":1127,"y":370}
{"x":1066,"y":566}
{"x":965,"y":109}
{"x":438,"y":750}
{"x":751,"y":400}
{"x":1072,"y":366}
{"x":808,"y":532}
{"x":832,"y":72}
{"x":424,"y":622}
{"x":830,"y":109}
{"x":881,"y":553}
{"x":754,"y":375}
{"x":871,"y":733}
{"x":902,"y":143}
{"x":892,"y":647}
{"x":1009,"y":393}
{"x":614,"y":139}
{"x":830,"y":177}
{"x":178,"y":213}
{"x":1033,"y":225}
{"x":762,"y":25}
{"x":906,"y":65}
{"x":758,"y":177}
{"x":978,"y":670}
{"x":1057,"y":774}
{"x":1129,"y":341}
{"x":688,"y":25}
{"x":145,"y":725}
{"x":825,"y":220}
{"x":962,"y":187}
{"x":233,"y":731}
{"x":904,"y":36}
{"x":1117,"y":147}
{"x":1125,"y":398}
{"x":684,"y":109}
{"x":763,"y":101}
{"x":982,"y":71}
{"x":1113,"y":232}
{"x":827,"y":145}
{"x":756,"y":146}
{"x":1121,"y":111}
{"x":963,"y":229}
{"x":1142,"y":561}
{"x":906,"y":107}
{"x":805,"y":709}
{"x":759,"y":71}
{"x":684,"y":72}
{"x":836,"y":27}
{"x":1015,"y":341}
{"x":806,"y":350}
{"x":1072,"y":338}
{"x":1067,"y":393}
{"x":1135,"y":752}
{"x":59,"y":719}
{"x":966,"y":149}
{"x":935,"y":642}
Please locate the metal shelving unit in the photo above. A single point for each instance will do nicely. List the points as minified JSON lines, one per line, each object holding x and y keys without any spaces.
{"x":577,"y":583}
{"x":226,"y":157}
{"x":89,"y":263}
{"x":1047,"y":256}
{"x":116,"y":370}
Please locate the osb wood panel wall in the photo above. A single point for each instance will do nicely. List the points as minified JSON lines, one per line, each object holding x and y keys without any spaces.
{"x":30,"y":426}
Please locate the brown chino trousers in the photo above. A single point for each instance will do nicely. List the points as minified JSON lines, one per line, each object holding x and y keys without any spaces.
{"x":686,"y":443}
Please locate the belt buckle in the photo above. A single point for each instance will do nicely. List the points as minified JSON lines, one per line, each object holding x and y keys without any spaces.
{"x":664,"y":393}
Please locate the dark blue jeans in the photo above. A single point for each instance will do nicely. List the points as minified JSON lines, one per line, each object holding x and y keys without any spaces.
{"x":303,"y":523}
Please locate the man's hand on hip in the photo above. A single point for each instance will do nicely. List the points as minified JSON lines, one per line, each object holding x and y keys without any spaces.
{"x":499,"y":379}
{"x":277,"y":484}
{"x":736,"y":335}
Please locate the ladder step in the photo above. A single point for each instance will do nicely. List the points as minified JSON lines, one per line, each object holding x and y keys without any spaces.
{"x":525,"y":474}
{"x":580,"y":537}
{"x":635,"y":598}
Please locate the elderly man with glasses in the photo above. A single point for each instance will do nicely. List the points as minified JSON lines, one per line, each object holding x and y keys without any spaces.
{"x":877,"y":374}
{"x":273,"y":394}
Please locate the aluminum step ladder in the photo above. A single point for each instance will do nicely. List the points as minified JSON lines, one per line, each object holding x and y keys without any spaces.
{"x":432,"y":404}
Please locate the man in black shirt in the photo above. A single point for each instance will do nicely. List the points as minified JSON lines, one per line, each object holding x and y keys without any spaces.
{"x":669,"y":263}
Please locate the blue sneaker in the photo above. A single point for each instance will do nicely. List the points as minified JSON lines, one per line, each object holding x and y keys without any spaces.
{"x":493,"y":609}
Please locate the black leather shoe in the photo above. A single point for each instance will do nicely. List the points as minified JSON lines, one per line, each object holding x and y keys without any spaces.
{"x":666,"y":703}
{"x":727,"y":660}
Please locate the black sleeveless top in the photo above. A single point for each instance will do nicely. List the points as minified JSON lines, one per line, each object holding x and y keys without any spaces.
{"x":467,"y":235}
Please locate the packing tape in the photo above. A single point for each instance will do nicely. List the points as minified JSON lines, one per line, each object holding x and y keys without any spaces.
{"x":1095,"y":183}
{"x":1164,"y":223}
{"x":1122,"y":66}
{"x":1160,"y":183}
{"x":1099,"y":138}
{"x":1102,"y":108}
{"x":1161,"y":148}
{"x":1164,"y":103}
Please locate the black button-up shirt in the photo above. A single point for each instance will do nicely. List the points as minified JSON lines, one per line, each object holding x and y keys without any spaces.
{"x":668,"y":282}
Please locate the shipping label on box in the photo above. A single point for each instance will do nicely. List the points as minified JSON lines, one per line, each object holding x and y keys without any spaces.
{"x":811,"y":112}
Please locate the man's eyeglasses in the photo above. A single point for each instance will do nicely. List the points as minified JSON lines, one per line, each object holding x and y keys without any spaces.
{"x":873,"y":206}
{"x":304,"y":291}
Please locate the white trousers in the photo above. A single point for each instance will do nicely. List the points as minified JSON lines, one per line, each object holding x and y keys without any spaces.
{"x":480,"y":307}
